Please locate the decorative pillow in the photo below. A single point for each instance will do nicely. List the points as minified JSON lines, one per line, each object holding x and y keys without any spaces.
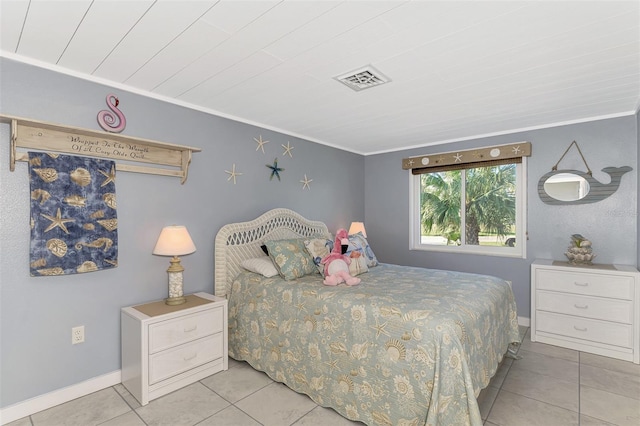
{"x":359,"y":244}
{"x":318,"y":248}
{"x":291,"y":258}
{"x":358,"y":263}
{"x":260,"y":265}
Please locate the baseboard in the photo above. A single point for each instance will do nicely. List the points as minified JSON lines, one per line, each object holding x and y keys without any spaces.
{"x":524,"y":321}
{"x":57,"y":397}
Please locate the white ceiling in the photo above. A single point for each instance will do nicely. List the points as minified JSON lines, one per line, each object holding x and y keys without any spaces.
{"x":458,"y":69}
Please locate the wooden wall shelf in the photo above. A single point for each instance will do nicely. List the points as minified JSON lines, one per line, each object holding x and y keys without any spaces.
{"x":41,"y":136}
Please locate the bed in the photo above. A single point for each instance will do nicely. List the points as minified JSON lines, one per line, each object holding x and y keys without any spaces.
{"x":408,"y":346}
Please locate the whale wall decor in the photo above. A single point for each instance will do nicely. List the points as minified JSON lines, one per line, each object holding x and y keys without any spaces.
{"x":597,"y":191}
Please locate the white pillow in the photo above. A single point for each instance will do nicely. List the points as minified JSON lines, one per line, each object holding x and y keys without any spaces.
{"x":260,"y":265}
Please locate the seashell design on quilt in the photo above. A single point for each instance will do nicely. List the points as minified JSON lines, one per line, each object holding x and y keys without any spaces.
{"x":57,"y":247}
{"x":51,"y":271}
{"x":40,"y":194}
{"x":110,"y":200}
{"x":48,"y":175}
{"x":75,"y":200}
{"x":81,"y":176}
{"x":109,"y":224}
{"x":87,"y":266}
{"x":38,"y":263}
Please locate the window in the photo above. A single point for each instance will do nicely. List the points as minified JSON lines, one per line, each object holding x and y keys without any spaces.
{"x":476,"y":207}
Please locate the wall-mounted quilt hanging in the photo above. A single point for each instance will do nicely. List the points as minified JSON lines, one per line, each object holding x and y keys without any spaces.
{"x":565,"y":187}
{"x":128,"y":152}
{"x":74,"y":225}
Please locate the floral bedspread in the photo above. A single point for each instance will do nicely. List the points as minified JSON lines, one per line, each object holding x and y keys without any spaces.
{"x":408,"y":346}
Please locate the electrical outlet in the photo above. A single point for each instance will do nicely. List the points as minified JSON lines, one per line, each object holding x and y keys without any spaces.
{"x":77,"y":335}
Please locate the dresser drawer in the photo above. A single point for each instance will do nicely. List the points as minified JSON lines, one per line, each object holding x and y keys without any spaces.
{"x":586,"y":329}
{"x":586,"y":306}
{"x":171,"y":362}
{"x":618,"y":287}
{"x":186,"y":328}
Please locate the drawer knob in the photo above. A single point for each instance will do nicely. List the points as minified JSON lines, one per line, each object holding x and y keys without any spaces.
{"x":580,"y":328}
{"x":189,"y":358}
{"x":581,"y":306}
{"x":189,"y":330}
{"x":581,"y":284}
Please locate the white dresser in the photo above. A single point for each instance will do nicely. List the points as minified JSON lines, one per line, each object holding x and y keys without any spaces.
{"x":593,"y":309}
{"x":167,"y":347}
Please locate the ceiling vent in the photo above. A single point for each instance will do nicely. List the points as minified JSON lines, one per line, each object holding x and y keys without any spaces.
{"x":363,"y":78}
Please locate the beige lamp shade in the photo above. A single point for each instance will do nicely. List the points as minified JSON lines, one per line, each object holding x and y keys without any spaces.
{"x":357,"y":227}
{"x":174,"y":240}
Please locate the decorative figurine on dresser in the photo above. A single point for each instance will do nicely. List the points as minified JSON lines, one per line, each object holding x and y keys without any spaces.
{"x":579,"y":251}
{"x":588,"y":307}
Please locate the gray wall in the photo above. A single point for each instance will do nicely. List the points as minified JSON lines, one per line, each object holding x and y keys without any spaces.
{"x":611,"y":224}
{"x":37,"y":314}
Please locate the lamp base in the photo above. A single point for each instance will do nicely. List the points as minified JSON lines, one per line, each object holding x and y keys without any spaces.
{"x":175,"y":300}
{"x":175,"y":283}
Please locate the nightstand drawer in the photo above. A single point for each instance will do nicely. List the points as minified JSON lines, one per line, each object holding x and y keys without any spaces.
{"x":618,"y":287}
{"x":186,"y":328}
{"x":586,"y":329}
{"x":175,"y":361}
{"x":586,"y":306}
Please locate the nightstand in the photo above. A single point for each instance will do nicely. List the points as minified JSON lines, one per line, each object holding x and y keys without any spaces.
{"x":165,"y":348}
{"x":589,"y":308}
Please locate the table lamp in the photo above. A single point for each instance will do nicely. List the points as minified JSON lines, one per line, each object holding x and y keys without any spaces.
{"x":174,"y":241}
{"x":357,"y":227}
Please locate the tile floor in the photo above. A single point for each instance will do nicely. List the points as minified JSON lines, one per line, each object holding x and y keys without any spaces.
{"x":548,"y":386}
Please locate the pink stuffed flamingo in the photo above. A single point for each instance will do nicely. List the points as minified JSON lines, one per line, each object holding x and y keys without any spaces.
{"x":336,"y":264}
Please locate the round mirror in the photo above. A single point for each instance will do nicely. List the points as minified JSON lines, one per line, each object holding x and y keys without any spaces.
{"x":566,"y":187}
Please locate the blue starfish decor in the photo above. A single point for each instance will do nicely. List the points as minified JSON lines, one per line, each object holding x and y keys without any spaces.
{"x":275,"y":170}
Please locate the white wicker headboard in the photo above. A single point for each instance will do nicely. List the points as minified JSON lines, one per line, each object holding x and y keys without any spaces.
{"x":236,"y":242}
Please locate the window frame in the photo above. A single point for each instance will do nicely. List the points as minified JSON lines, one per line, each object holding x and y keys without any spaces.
{"x":519,"y":251}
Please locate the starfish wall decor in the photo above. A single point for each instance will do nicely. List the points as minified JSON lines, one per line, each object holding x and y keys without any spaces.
{"x":287,"y":149}
{"x":260,"y":143}
{"x":306,"y":182}
{"x":275,"y":170}
{"x":233,"y":174}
